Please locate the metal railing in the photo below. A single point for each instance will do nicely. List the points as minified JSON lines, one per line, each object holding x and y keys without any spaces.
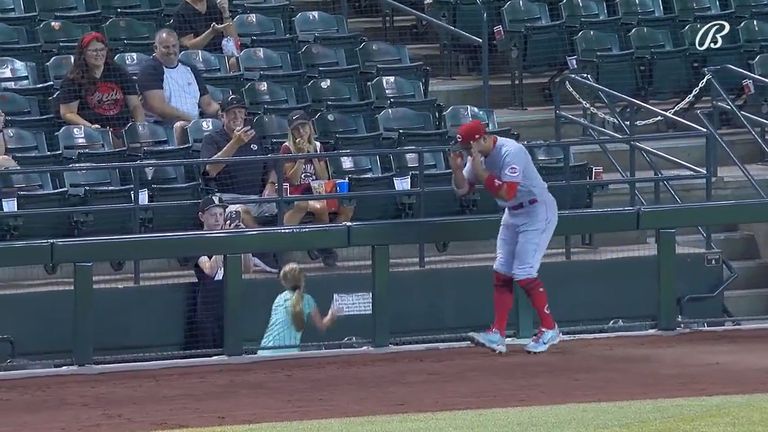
{"x":482,"y":42}
{"x":628,"y":125}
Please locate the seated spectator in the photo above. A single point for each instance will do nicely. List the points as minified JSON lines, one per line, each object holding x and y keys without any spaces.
{"x":5,"y":160}
{"x":97,"y":92}
{"x":300,"y":175}
{"x":174,"y":93}
{"x":290,"y":312}
{"x":204,"y":24}
{"x":236,"y":182}
{"x":208,"y":325}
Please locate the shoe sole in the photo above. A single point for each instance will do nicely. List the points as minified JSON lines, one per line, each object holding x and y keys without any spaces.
{"x":557,"y":341}
{"x":479,"y":344}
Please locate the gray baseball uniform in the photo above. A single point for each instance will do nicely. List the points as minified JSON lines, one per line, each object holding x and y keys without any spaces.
{"x":529,"y":219}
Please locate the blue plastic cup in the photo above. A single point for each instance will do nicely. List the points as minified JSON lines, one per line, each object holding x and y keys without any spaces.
{"x":342,"y":186}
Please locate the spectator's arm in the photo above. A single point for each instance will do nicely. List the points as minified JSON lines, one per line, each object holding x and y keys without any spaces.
{"x":322,"y":323}
{"x":207,"y":152}
{"x":197,"y":43}
{"x":156,"y":104}
{"x":209,"y":106}
{"x":69,"y":114}
{"x":137,"y":111}
{"x":210,"y":266}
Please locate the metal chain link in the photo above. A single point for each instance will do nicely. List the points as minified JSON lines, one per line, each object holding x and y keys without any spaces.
{"x":595,"y":111}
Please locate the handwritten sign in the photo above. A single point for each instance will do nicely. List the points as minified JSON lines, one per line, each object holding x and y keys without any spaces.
{"x":353,"y":304}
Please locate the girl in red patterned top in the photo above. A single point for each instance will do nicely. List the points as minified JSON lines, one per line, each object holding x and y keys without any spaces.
{"x":300,"y":175}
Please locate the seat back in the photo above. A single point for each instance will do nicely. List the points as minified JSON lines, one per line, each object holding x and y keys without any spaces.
{"x":199,"y":128}
{"x":397,"y":119}
{"x":317,"y":22}
{"x":58,"y":67}
{"x":254,"y":25}
{"x":376,"y":53}
{"x":132,"y":62}
{"x":139,"y":135}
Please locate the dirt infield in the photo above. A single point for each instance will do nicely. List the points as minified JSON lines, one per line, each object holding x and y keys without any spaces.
{"x":698,"y":364}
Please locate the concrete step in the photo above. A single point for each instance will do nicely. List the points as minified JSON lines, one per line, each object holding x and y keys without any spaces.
{"x":729,"y":185}
{"x":689,"y":150}
{"x":747,"y":302}
{"x":734,"y":245}
{"x":753,"y":274}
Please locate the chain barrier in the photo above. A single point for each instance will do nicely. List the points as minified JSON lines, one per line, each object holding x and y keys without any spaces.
{"x":610,"y":119}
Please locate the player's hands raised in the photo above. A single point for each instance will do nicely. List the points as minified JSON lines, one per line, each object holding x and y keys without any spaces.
{"x":457,"y":161}
{"x":477,"y":161}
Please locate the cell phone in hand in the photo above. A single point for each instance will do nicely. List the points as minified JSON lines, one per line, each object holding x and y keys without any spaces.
{"x":233,"y":218}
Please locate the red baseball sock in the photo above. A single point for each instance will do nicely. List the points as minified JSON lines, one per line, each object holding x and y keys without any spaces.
{"x":535,"y":290}
{"x":503,"y":297}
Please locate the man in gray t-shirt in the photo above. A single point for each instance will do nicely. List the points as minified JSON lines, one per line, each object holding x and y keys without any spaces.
{"x":174,"y":93}
{"x":507,"y":172}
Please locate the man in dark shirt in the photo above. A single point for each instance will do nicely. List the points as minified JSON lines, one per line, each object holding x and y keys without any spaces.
{"x":203,"y":24}
{"x":238,"y":181}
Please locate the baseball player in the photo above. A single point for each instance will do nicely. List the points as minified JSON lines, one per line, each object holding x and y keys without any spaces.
{"x":506,"y":170}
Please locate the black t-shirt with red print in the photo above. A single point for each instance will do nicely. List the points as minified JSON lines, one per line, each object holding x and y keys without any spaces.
{"x":105,"y":103}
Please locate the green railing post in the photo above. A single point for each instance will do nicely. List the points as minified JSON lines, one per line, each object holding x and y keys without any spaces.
{"x":82,"y":350}
{"x":233,"y":284}
{"x":380,"y":306}
{"x":666,"y":243}
{"x":524,"y":313}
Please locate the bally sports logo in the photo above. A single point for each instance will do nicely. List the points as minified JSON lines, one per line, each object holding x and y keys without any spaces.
{"x":711,"y":35}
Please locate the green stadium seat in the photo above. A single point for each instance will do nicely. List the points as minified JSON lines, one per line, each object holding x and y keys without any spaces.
{"x":61,"y":36}
{"x":600,"y":56}
{"x":58,"y":67}
{"x":75,"y":11}
{"x":132,"y":62}
{"x":14,"y":13}
{"x":376,"y":207}
{"x":259,"y":95}
{"x":214,"y":68}
{"x":218,"y":94}
{"x":441,"y":201}
{"x":130,"y":35}
{"x":754,"y":35}
{"x":198,"y":129}
{"x":139,"y":135}
{"x":701,"y":11}
{"x":667,"y":70}
{"x":182,"y":215}
{"x":253,"y":25}
{"x":568,"y":197}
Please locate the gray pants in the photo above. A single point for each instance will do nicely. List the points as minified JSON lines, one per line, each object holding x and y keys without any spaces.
{"x":523,"y":238}
{"x":256,"y":209}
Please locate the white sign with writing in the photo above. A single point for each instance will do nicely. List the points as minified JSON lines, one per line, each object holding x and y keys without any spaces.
{"x":353,"y":304}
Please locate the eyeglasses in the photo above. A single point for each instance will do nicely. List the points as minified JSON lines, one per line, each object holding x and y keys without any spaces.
{"x":96,"y":51}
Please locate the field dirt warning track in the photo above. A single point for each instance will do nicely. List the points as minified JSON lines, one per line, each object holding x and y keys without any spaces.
{"x":611,"y":369}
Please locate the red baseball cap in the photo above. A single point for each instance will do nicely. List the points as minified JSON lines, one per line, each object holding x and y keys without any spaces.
{"x":469,"y":132}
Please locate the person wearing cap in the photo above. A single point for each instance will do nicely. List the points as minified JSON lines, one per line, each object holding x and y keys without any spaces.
{"x":206,"y":307}
{"x":97,"y":92}
{"x":238,"y":182}
{"x":174,"y":93}
{"x":300,"y":174}
{"x":506,"y":170}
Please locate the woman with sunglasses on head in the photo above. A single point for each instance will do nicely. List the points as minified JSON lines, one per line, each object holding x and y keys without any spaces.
{"x":97,"y":92}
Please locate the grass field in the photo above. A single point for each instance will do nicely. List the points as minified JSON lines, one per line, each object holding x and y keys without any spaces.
{"x":711,"y":414}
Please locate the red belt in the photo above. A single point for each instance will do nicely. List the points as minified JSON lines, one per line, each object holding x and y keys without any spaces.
{"x":521,"y":205}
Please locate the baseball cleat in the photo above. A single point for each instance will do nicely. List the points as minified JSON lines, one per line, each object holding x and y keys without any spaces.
{"x":543,"y":340}
{"x":490,"y":339}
